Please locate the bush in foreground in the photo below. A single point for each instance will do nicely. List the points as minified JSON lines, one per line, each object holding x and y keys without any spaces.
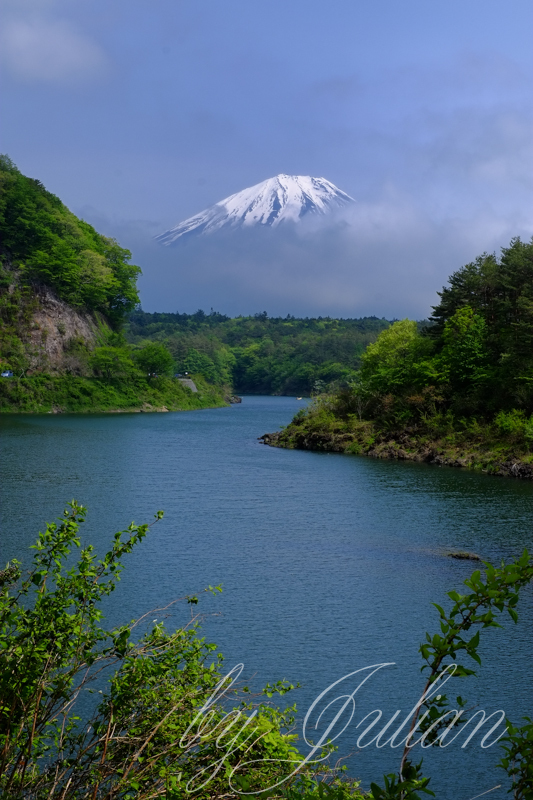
{"x":146,"y":736}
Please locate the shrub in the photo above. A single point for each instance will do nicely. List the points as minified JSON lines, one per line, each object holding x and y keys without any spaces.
{"x":514,"y":424}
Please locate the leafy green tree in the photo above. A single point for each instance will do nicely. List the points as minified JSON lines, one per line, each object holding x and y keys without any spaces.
{"x":398,"y":360}
{"x":464,"y":361}
{"x":398,"y":376}
{"x":464,"y":351}
{"x":500,"y":291}
{"x":154,"y":359}
{"x":112,"y":362}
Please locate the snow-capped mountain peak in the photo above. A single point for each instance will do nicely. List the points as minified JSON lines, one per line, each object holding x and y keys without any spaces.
{"x":280,"y":199}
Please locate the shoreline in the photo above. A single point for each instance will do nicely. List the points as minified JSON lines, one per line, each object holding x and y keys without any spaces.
{"x":69,"y":394}
{"x":501,"y":458}
{"x":89,"y":411}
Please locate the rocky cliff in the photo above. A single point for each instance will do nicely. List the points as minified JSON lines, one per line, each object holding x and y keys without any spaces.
{"x":58,"y":334}
{"x":39,"y":332}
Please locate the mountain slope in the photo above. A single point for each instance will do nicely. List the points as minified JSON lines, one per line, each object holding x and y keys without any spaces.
{"x":276,"y":200}
{"x":45,"y":243}
{"x":64,"y":291}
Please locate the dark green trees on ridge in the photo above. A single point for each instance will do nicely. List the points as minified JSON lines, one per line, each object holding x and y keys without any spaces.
{"x":477,"y":357}
{"x":485,"y":322}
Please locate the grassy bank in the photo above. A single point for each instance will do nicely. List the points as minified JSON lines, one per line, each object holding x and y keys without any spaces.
{"x":69,"y":393}
{"x":440,"y":440}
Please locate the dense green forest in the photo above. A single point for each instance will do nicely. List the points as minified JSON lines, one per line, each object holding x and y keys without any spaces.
{"x":44,"y":242}
{"x":261,"y":354}
{"x":465,"y":382}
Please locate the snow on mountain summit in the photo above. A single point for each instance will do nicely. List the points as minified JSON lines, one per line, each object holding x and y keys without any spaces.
{"x":280,"y":199}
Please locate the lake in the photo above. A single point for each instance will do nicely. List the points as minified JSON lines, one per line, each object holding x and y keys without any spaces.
{"x":329,"y":563}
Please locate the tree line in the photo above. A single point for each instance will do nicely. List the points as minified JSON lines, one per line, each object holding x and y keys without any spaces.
{"x":260,"y":354}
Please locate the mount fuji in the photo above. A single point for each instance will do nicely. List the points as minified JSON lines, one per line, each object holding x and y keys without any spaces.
{"x":285,"y":198}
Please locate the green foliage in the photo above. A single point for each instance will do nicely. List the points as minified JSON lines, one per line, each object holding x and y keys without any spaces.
{"x":112,"y":362}
{"x":154,"y":359}
{"x":311,"y":789}
{"x":500,"y":292}
{"x":515,"y":426}
{"x":464,"y":351}
{"x":388,"y":361}
{"x":166,"y":721}
{"x":405,"y":788}
{"x":518,"y":758}
{"x":397,"y":375}
{"x":17,"y":305}
{"x":487,"y":598}
{"x":216,"y":368}
{"x":260,"y":355}
{"x":49,"y":636}
{"x":71,"y":393}
{"x":398,"y":362}
{"x":496,"y":594}
{"x":469,"y":372}
{"x":159,"y":726}
{"x":45,"y":243}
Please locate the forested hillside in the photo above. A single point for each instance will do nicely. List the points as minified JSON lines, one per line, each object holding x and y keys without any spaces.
{"x":259,"y":354}
{"x":43,"y":242}
{"x":458,"y":391}
{"x":64,"y":293}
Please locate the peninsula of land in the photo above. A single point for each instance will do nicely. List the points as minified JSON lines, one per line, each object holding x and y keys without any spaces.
{"x":456,"y":390}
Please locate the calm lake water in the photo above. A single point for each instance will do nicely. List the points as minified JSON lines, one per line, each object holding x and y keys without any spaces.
{"x":329,"y":563}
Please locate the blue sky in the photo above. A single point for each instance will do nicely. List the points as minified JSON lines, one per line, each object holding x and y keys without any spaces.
{"x":139,"y":114}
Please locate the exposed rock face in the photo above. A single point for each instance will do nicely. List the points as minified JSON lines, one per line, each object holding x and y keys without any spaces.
{"x":55,"y":330}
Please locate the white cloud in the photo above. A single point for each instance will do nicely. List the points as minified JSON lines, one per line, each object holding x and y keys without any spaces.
{"x":53,"y":51}
{"x":387,"y":258}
